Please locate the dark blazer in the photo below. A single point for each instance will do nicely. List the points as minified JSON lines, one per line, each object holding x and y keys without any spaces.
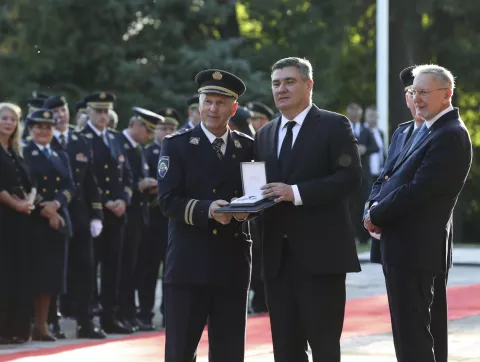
{"x":416,"y":202}
{"x":399,"y":138}
{"x":139,"y":170}
{"x":81,"y":162}
{"x":366,"y":139}
{"x":110,"y":166}
{"x":325,"y":165}
{"x":200,"y":250}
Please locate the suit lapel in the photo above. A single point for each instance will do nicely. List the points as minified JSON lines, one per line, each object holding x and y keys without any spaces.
{"x":58,"y":164}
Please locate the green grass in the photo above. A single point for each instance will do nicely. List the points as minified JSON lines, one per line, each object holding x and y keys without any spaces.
{"x":466,"y":245}
{"x":362,"y":248}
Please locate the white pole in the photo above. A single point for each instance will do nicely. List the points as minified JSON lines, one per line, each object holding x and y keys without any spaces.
{"x":382,"y":66}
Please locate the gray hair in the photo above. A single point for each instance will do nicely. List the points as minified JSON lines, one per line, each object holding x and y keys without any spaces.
{"x":302,"y":64}
{"x":441,"y":74}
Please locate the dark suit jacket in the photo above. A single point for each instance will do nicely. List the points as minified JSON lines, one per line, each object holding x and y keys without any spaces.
{"x":325,"y":166}
{"x":416,"y":202}
{"x":367,"y":139}
{"x":200,"y":250}
{"x":399,"y":138}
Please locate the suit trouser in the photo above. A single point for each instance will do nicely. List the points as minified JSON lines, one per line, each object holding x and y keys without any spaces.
{"x":418,"y":311}
{"x":152,"y":253}
{"x":108,"y":250}
{"x":305,"y":308}
{"x":188,"y":308}
{"x":134,"y":232}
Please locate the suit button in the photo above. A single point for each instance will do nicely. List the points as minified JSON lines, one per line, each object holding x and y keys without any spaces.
{"x":107,"y":192}
{"x":141,"y":203}
{"x":78,"y":183}
{"x":214,"y":191}
{"x":56,"y":190}
{"x":44,"y":190}
{"x":235,"y":235}
{"x":285,"y":236}
{"x":214,"y":231}
{"x":58,"y":179}
{"x":386,"y":177}
{"x":106,"y":166}
{"x":45,"y":178}
{"x":119,"y":167}
{"x":77,"y":170}
{"x":107,"y":179}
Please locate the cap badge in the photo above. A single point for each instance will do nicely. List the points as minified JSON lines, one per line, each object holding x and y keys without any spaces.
{"x":102,"y":95}
{"x":169,"y":112}
{"x":217,"y":76}
{"x":237,"y":143}
{"x":194,"y":140}
{"x":46,"y":115}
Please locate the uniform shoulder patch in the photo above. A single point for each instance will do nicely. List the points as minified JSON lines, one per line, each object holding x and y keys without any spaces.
{"x":179,"y":133}
{"x":404,"y":123}
{"x":243,"y":135}
{"x":163,"y":165}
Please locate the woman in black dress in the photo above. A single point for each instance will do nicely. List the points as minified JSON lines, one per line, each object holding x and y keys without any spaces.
{"x":51,"y":220}
{"x":15,"y":223}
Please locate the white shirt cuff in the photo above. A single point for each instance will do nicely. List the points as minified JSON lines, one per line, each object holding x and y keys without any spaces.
{"x":297,"y":199}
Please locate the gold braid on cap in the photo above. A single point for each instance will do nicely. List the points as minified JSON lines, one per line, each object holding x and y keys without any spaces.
{"x":217,"y":88}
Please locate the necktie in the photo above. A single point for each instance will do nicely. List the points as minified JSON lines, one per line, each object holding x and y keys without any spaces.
{"x":217,"y":146}
{"x":418,"y":137}
{"x":286,"y":147}
{"x":46,"y":152}
{"x":63,"y":141}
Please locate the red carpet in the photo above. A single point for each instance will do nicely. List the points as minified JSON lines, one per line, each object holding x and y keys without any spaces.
{"x":365,"y":316}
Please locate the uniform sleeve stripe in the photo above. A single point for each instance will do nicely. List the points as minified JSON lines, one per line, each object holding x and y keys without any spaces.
{"x":187,"y":209}
{"x":190,"y":214}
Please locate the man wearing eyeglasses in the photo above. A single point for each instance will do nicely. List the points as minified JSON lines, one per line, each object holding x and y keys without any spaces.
{"x":414,"y":216}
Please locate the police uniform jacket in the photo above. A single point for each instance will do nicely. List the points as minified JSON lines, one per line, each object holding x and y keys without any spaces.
{"x":139,"y":170}
{"x":190,"y":177}
{"x":110,"y":166}
{"x":81,"y":163}
{"x":152,"y":155}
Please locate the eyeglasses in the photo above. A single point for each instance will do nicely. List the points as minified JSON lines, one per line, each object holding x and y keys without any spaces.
{"x":423,"y":93}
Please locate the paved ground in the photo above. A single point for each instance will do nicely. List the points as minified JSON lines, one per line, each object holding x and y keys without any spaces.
{"x":464,"y":333}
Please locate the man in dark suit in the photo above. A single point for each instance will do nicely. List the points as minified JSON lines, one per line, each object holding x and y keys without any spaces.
{"x":400,"y":137}
{"x":86,"y":214}
{"x":208,"y":261}
{"x":414,"y":214}
{"x":115,"y":182}
{"x":154,"y":245}
{"x":312,"y":165}
{"x":366,"y":147}
{"x":193,"y":113}
{"x":140,"y":131}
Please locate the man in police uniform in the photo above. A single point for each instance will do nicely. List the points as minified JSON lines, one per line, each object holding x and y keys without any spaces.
{"x":115,"y":182}
{"x":86,"y":214}
{"x":262,"y":114}
{"x":193,"y":113}
{"x":140,"y":131}
{"x":154,"y":245}
{"x":208,"y":261}
{"x":81,"y":117}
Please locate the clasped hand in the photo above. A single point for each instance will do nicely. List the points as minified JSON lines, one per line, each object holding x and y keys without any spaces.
{"x":367,"y":222}
{"x":280,"y":191}
{"x":117,"y":207}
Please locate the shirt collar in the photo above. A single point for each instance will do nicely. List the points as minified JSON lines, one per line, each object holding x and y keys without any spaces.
{"x":57,"y":133}
{"x":211,"y":137}
{"x":129,"y":138}
{"x":41,"y":148}
{"x":96,"y":130}
{"x":430,"y":122}
{"x":157,"y":143}
{"x":299,"y":118}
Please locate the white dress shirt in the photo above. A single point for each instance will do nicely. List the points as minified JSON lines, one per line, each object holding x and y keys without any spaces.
{"x":99,"y":133}
{"x":299,"y":119}
{"x":211,"y":137}
{"x":429,"y":123}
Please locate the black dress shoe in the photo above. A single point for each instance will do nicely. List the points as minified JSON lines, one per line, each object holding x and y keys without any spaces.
{"x":145,"y":325}
{"x":37,"y":336}
{"x":18,"y":340}
{"x":90,"y":331}
{"x":114,"y":326}
{"x":57,"y":331}
{"x":4,"y":340}
{"x":132,"y":323}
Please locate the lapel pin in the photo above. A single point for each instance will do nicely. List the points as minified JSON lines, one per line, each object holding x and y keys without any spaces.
{"x":237,"y":143}
{"x":34,"y":153}
{"x":194,"y":141}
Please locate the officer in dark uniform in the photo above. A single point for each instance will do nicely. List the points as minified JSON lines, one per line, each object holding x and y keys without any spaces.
{"x":193,"y":113}
{"x":81,"y":117}
{"x":152,"y":250}
{"x":140,"y":131}
{"x":208,"y":261}
{"x":86,"y":212}
{"x":262,"y":114}
{"x":51,"y":220}
{"x":115,"y":182}
{"x":35,"y":102}
{"x":239,"y":122}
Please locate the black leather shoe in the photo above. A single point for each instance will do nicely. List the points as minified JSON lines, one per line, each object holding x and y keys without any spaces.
{"x":145,"y":325}
{"x":114,"y":326}
{"x":90,"y":331}
{"x":4,"y":340}
{"x":18,"y":340}
{"x":37,"y":336}
{"x":132,"y":323}
{"x":57,"y":331}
